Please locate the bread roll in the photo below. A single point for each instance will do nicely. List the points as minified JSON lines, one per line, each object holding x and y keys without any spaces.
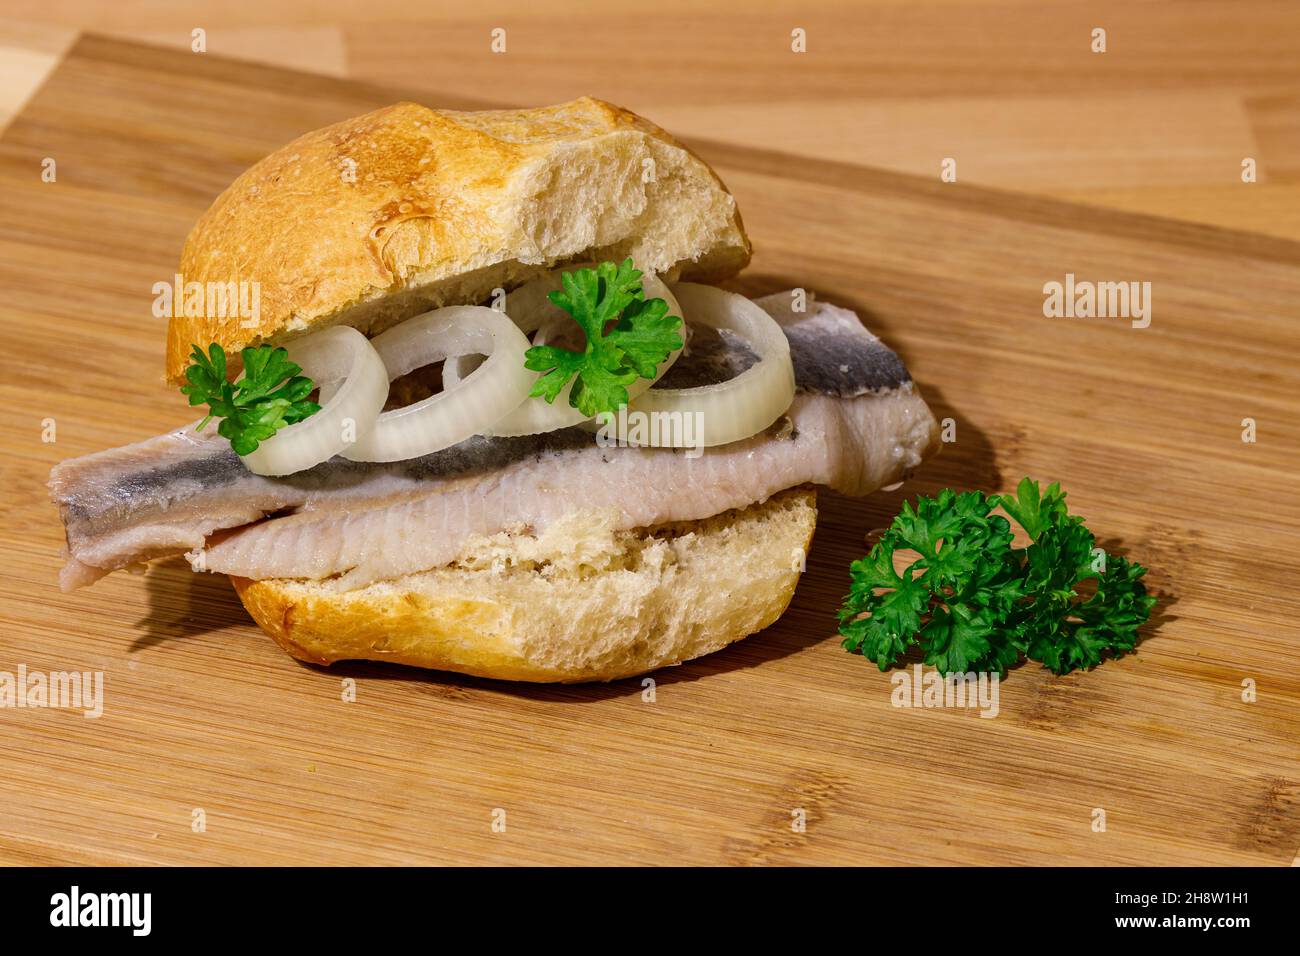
{"x":378,"y":218}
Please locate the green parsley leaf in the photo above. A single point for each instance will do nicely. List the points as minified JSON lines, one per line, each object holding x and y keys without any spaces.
{"x":897,"y":602}
{"x":628,"y":337}
{"x":973,"y":602}
{"x":957,"y":637}
{"x":1032,"y":510}
{"x":270,"y":395}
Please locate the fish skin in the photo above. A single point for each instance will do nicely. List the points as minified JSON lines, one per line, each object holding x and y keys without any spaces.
{"x":169,"y":494}
{"x":823,"y":365}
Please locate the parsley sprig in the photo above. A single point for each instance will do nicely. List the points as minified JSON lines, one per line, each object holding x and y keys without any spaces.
{"x":271,"y":394}
{"x":628,"y":336}
{"x":974,"y":603}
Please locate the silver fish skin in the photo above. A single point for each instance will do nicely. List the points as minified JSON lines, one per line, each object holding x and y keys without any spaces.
{"x":857,"y":423}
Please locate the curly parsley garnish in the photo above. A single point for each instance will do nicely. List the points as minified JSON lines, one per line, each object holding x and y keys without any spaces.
{"x":628,"y":336}
{"x":270,"y":395}
{"x":975,"y":603}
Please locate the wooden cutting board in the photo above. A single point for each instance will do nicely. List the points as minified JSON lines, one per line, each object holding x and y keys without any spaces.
{"x":204,"y":719}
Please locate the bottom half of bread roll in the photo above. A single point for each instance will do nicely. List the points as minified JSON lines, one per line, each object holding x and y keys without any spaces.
{"x":582,"y":602}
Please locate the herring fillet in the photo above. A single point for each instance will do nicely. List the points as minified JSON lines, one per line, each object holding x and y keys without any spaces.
{"x":856,"y":424}
{"x":853,"y":445}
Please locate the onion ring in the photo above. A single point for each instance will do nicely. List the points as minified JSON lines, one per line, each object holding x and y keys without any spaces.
{"x":730,"y":410}
{"x":336,"y":354}
{"x":465,"y":406}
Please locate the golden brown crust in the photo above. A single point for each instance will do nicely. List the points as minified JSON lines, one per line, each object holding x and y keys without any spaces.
{"x":409,"y":198}
{"x":687,"y":591}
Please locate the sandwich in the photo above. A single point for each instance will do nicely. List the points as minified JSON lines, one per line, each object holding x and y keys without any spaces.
{"x":490,"y":410}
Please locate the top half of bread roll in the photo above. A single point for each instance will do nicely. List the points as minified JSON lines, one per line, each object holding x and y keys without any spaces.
{"x":378,"y":218}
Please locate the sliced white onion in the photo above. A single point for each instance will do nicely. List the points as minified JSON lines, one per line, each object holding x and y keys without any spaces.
{"x":327,"y":357}
{"x":465,"y":406}
{"x":730,"y":410}
{"x":533,"y":312}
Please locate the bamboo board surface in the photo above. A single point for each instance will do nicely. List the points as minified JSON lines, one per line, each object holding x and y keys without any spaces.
{"x":1012,"y":89}
{"x":1143,"y":426}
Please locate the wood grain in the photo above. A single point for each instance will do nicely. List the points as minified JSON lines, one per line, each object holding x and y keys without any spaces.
{"x":1143,"y":427}
{"x":1159,"y":123}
